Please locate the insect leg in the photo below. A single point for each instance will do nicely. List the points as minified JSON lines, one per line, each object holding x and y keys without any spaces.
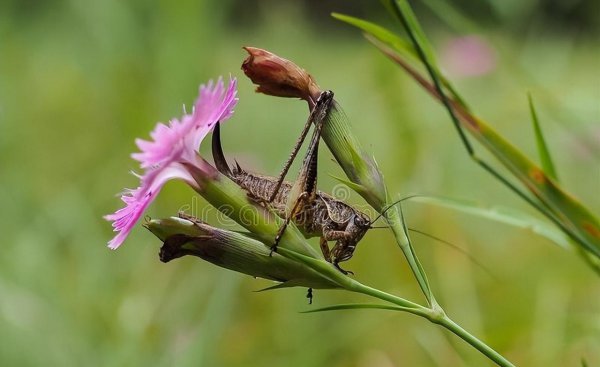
{"x":307,"y":178}
{"x":304,"y":190}
{"x":325,"y":249}
{"x":295,"y":210}
{"x":331,"y":235}
{"x":342,"y":250}
{"x":318,"y":114}
{"x":291,"y":158}
{"x":345,"y":272}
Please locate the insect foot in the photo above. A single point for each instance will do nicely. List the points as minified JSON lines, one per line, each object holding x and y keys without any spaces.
{"x":345,"y":272}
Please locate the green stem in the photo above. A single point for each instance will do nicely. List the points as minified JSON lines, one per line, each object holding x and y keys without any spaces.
{"x":457,"y":330}
{"x":435,"y":315}
{"x":395,"y":221}
{"x":566,"y":212}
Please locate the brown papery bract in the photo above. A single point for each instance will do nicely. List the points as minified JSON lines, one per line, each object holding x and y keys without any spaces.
{"x":279,"y":77}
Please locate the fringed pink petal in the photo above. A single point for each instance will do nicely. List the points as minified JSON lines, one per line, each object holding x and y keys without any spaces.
{"x":172,"y":147}
{"x":137,"y":200}
{"x":213,"y":104}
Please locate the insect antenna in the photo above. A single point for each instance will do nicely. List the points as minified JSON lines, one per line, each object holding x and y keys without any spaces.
{"x":389,"y":206}
{"x":453,"y":246}
{"x":456,"y":248}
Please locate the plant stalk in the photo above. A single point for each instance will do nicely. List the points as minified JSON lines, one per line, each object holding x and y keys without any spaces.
{"x":435,"y":315}
{"x":395,"y":220}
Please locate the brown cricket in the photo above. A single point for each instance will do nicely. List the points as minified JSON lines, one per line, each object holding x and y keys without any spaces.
{"x":314,"y":212}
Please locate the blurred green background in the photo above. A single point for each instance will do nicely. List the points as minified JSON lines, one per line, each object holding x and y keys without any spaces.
{"x":80,"y":80}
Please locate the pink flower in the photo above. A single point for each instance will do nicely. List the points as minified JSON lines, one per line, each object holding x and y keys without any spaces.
{"x":468,"y":56}
{"x":171,"y":153}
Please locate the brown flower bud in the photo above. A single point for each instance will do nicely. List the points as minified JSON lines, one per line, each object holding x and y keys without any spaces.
{"x":279,"y":77}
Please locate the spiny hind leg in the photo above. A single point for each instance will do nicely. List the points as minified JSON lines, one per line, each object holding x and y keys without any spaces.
{"x":291,"y":158}
{"x":297,"y":208}
{"x":317,"y":116}
{"x":306,"y":184}
{"x":266,"y":204}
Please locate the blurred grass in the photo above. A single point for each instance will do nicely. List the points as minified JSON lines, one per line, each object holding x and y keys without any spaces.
{"x":79,"y":80}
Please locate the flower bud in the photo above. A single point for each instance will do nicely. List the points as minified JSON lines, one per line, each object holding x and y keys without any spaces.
{"x":231,"y":250}
{"x":278,"y":77}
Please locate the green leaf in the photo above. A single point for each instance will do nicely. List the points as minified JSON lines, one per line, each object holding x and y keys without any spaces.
{"x":383,"y":35}
{"x":355,"y":187}
{"x":453,"y":17}
{"x":456,"y":248}
{"x":423,"y":48}
{"x":545,"y":158}
{"x":322,"y":267}
{"x":408,"y":18}
{"x":355,"y":306}
{"x":276,"y":286}
{"x":504,"y":215}
{"x":400,"y":45}
{"x":394,"y":42}
{"x":590,"y":259}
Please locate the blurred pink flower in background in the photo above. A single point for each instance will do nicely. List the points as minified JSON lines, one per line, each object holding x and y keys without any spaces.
{"x":468,"y":56}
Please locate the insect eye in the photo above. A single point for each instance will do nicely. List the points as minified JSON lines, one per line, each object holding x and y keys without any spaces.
{"x":358,"y":221}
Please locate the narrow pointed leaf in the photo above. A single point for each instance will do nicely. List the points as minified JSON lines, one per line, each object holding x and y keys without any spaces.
{"x":544,"y":153}
{"x":355,"y":187}
{"x":276,"y":286}
{"x":562,"y":208}
{"x":358,"y":166}
{"x":395,"y":42}
{"x":405,"y":14}
{"x":377,"y":31}
{"x":453,"y":17}
{"x":504,"y":215}
{"x":356,"y":306}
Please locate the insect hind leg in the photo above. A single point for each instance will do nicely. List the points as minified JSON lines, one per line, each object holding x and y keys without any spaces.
{"x":287,"y":221}
{"x":317,"y":116}
{"x":306,"y":184}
